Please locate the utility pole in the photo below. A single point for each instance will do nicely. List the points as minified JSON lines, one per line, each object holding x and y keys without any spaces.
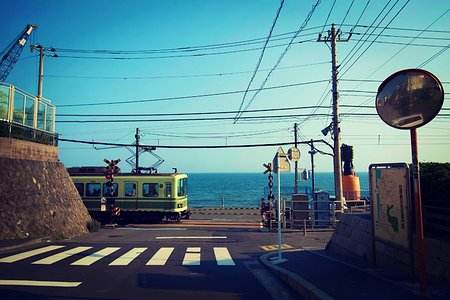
{"x":137,"y":137}
{"x":334,"y":37}
{"x":296,"y":162}
{"x":312,"y":152}
{"x":41,"y":50}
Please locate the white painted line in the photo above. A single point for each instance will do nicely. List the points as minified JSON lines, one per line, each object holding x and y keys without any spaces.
{"x":24,"y":255}
{"x":128,"y":257}
{"x":152,"y":229}
{"x":223,"y":257}
{"x":60,"y":256}
{"x":90,"y":259}
{"x":191,"y":259}
{"x":160,"y":257}
{"x":40,"y":283}
{"x":193,"y":249}
{"x":189,"y":237}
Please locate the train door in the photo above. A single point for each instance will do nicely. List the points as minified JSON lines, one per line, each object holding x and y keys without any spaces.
{"x":131,"y":194}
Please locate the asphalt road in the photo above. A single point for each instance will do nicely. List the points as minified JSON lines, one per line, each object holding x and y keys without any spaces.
{"x":148,"y":262}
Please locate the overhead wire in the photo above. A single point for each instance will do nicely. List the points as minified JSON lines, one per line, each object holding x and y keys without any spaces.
{"x":220,"y":74}
{"x":280,"y":58}
{"x":262,"y":54}
{"x":205,"y":95}
{"x":371,"y":43}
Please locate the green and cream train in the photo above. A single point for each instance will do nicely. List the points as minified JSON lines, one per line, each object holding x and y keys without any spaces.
{"x":140,"y":197}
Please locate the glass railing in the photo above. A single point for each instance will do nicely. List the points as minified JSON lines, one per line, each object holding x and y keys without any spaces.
{"x":24,"y":109}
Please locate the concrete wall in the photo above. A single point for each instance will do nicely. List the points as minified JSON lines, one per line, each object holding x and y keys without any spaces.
{"x":37,"y":196}
{"x":353,"y":238}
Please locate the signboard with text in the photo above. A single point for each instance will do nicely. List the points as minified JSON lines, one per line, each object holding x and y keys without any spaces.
{"x":390,"y":197}
{"x":280,"y":162}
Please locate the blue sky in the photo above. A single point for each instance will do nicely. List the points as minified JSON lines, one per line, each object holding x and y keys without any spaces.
{"x":141,"y":25}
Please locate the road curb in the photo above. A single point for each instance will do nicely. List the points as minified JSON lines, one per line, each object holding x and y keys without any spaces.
{"x":302,"y":287}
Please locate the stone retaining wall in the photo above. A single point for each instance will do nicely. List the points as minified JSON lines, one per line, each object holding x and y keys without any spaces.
{"x":37,"y":196}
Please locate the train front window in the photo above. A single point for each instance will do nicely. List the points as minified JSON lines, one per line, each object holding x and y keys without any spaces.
{"x":130,"y":189}
{"x":182,"y":187}
{"x":115,"y":190}
{"x":168,"y":189}
{"x":150,"y":189}
{"x":93,"y":190}
{"x":80,"y":188}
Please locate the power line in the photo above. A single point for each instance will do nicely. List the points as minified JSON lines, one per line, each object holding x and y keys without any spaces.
{"x":186,"y":119}
{"x":190,"y":146}
{"x":177,"y":55}
{"x":360,"y":16}
{"x":280,"y":58}
{"x":190,"y":96}
{"x":261,"y":55}
{"x":188,"y":113}
{"x":434,"y":56}
{"x":328,"y":16}
{"x":189,"y":48}
{"x":219,"y":74}
{"x":351,"y":52}
{"x":383,"y":29}
{"x":346,"y":14}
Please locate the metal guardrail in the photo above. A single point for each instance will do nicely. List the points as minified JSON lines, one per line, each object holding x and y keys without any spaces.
{"x":25,"y":116}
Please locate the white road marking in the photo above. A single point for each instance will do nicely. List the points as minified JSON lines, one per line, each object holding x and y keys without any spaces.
{"x":223,"y":257}
{"x":128,"y":257}
{"x":189,"y":237}
{"x":60,"y":256}
{"x":40,"y":283}
{"x":152,"y":229}
{"x":192,"y":256}
{"x":193,"y":249}
{"x":90,"y":259}
{"x":24,"y":255}
{"x":191,"y":259}
{"x":160,"y":257}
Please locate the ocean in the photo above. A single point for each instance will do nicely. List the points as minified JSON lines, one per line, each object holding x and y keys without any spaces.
{"x":247,"y":189}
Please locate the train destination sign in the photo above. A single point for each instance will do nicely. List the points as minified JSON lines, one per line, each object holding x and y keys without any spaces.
{"x":409,"y":98}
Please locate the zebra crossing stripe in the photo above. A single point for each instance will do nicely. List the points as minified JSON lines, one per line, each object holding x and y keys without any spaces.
{"x":60,"y":256}
{"x":128,"y":257}
{"x":160,"y":257}
{"x":223,"y":256}
{"x":192,"y":257}
{"x":92,"y":258}
{"x":27,"y":254}
{"x":40,"y":283}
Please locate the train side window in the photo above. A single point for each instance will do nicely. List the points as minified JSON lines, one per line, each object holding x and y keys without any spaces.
{"x":93,"y":190}
{"x":80,"y":188}
{"x":169,"y":189}
{"x":150,"y":189}
{"x":182,"y":187}
{"x":115,"y":190}
{"x":130,"y":189}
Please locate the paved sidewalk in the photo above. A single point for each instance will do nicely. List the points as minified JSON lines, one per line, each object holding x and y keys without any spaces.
{"x":315,"y":274}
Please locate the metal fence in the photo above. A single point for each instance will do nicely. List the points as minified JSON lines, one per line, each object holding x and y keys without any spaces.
{"x":25,"y":116}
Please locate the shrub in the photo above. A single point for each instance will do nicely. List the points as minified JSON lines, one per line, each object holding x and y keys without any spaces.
{"x":435,"y":184}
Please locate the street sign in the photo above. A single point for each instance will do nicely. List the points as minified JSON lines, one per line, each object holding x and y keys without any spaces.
{"x":280,"y":162}
{"x":409,"y":98}
{"x":293,"y":154}
{"x":389,"y":185}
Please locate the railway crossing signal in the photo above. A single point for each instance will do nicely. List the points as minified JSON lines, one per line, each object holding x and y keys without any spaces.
{"x":110,"y":170}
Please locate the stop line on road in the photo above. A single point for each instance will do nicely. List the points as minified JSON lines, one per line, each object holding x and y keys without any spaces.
{"x":192,"y":256}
